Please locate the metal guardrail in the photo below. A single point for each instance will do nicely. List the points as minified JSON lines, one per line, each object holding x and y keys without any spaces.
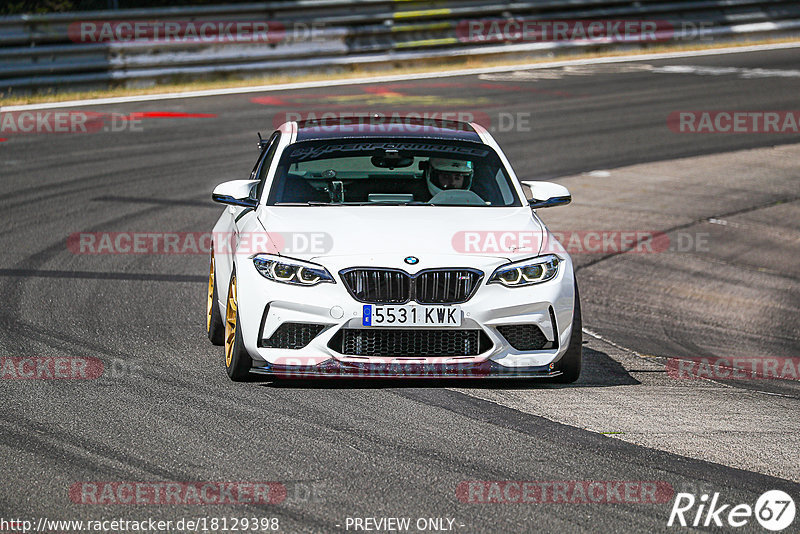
{"x":36,"y":51}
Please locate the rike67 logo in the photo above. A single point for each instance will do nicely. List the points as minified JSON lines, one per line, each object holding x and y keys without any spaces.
{"x":774,"y":510}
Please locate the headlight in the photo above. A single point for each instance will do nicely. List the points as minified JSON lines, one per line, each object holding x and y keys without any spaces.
{"x":527,"y":272}
{"x":288,"y":271}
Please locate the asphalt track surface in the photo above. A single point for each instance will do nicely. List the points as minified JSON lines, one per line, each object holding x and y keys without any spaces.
{"x":382,"y":449}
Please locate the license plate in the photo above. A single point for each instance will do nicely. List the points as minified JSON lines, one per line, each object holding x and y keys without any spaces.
{"x":411,"y":315}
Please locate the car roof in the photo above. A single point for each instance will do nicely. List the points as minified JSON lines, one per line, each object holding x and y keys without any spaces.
{"x":386,"y":126}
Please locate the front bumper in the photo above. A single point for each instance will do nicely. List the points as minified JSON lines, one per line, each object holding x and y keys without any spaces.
{"x":265,"y":305}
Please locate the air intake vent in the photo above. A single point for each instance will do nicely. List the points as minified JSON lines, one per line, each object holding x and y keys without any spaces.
{"x":292,"y":336}
{"x":411,"y":343}
{"x":525,"y":336}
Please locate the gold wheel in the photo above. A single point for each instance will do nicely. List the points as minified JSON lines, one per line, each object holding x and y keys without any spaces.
{"x":209,"y":308}
{"x":230,"y":323}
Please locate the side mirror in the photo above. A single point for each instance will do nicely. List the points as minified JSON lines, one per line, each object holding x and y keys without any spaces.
{"x":546,"y":194}
{"x":236,"y":193}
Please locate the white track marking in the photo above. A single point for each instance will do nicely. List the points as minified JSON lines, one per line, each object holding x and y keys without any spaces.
{"x":612,"y":343}
{"x":397,"y":77}
{"x":591,"y":70}
{"x":727,"y":71}
{"x":631,"y":351}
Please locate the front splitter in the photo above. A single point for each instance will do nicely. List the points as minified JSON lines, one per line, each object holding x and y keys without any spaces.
{"x":336,"y":369}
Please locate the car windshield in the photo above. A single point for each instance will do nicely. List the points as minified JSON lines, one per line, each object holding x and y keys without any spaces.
{"x":381,"y":172}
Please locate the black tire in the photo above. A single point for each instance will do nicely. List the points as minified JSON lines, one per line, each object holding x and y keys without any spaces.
{"x":571,"y":362}
{"x":238,"y":363}
{"x":215,"y":325}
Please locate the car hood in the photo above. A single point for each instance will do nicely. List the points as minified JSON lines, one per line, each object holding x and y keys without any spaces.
{"x":370,"y":232}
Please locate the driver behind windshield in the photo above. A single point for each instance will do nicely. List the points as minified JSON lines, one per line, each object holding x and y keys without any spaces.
{"x":445,"y":174}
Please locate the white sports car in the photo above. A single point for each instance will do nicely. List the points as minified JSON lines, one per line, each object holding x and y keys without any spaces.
{"x":361,"y":248}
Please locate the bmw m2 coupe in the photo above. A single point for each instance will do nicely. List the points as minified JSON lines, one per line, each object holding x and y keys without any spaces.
{"x":410,"y":249}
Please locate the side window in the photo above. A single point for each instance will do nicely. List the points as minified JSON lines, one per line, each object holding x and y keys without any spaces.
{"x":505,"y":188}
{"x":254,"y":172}
{"x":266,"y":162}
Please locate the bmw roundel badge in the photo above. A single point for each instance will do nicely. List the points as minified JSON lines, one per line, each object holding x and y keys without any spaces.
{"x":411,"y":260}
